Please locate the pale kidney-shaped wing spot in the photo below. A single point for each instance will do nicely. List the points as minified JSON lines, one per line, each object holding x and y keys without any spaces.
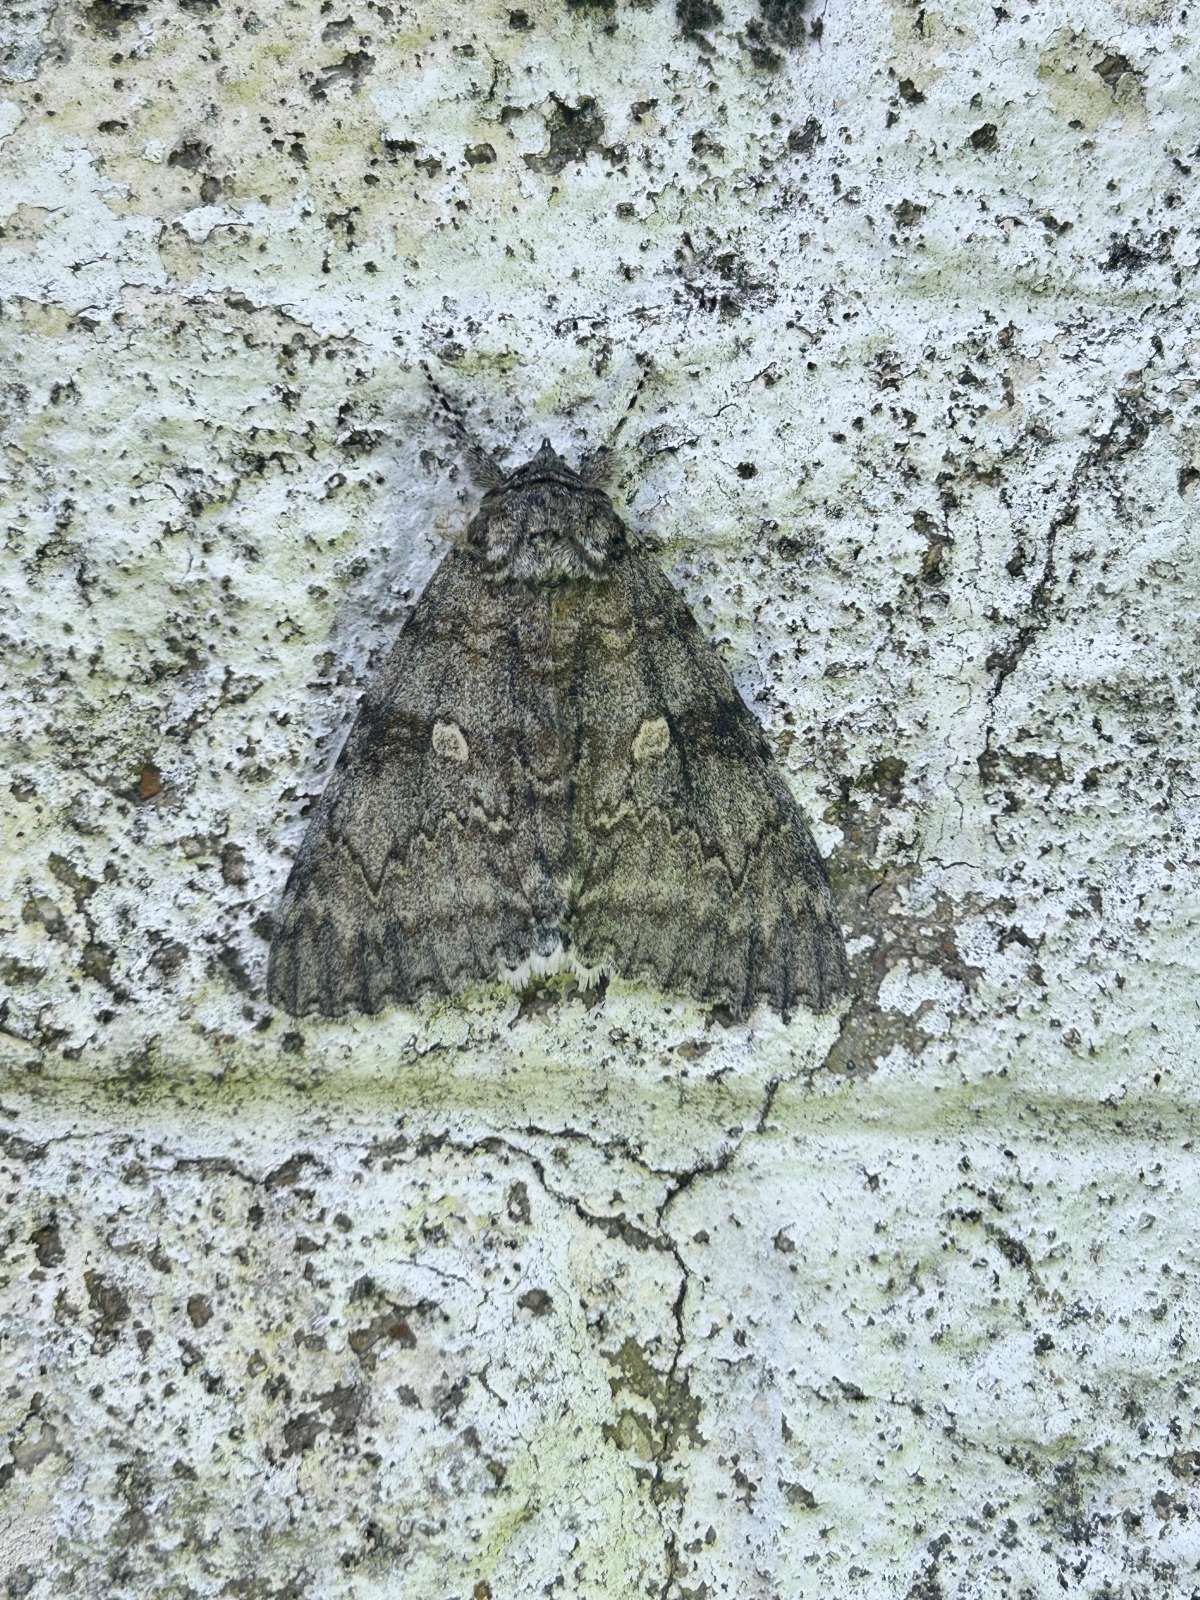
{"x":448,"y":741}
{"x":651,"y":739}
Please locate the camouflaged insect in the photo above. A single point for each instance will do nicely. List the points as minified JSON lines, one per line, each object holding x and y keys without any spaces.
{"x":554,"y":769}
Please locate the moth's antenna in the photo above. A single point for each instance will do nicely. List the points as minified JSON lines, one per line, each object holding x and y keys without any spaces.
{"x":647,"y":365}
{"x":480,"y":462}
{"x":596,"y":464}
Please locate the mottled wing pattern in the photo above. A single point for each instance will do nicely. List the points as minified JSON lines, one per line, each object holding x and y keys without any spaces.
{"x":693,"y":867}
{"x":436,"y":854}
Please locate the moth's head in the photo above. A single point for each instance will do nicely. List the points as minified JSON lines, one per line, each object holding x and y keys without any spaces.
{"x":545,"y":521}
{"x":545,"y":467}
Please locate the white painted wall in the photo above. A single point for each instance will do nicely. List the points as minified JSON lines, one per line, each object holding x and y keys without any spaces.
{"x":604,"y":1300}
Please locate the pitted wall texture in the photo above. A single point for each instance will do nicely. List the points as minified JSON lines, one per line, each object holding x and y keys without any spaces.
{"x":575,"y":1294}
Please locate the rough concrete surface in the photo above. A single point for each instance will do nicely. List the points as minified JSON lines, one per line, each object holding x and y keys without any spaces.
{"x":576,"y":1294}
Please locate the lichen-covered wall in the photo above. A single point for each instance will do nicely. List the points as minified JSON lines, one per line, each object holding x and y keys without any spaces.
{"x":566,"y":1294}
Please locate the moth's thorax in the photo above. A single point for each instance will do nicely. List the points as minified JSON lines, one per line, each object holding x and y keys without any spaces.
{"x":544,"y":523}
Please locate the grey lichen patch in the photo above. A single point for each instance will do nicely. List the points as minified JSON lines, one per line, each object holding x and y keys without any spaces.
{"x":351,"y":70}
{"x":873,"y":914}
{"x":25,"y":40}
{"x":697,"y":18}
{"x":781,"y":25}
{"x":1089,"y":85}
{"x":983,"y":138}
{"x":718,"y":279}
{"x":572,"y":131}
{"x":110,"y":1305}
{"x":786,"y":21}
{"x":654,"y":1430}
{"x":109,"y":17}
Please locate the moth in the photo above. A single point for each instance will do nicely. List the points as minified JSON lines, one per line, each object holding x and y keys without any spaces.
{"x":554,"y":769}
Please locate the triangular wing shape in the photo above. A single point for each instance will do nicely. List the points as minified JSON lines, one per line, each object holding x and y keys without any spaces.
{"x":692,"y":865}
{"x":435,"y":856}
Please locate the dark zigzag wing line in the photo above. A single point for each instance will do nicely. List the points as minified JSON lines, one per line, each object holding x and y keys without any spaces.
{"x":693,"y":865}
{"x":436,"y":853}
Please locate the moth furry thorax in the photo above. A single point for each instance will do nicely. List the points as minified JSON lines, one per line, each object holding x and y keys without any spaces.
{"x":544,"y":522}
